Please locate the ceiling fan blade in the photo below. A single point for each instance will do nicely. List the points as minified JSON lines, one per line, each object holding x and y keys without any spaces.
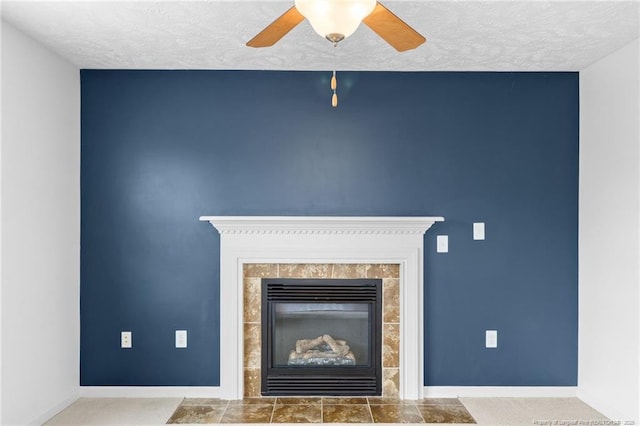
{"x":277,"y":29}
{"x":393,"y":29}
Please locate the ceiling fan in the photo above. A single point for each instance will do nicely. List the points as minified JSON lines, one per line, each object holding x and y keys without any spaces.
{"x":338,"y":19}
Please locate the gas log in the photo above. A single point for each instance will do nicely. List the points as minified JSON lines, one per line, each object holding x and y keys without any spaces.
{"x":323,"y":350}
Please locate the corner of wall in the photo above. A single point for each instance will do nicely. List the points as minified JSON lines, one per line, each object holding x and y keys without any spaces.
{"x":609,"y":250}
{"x":1,"y":286}
{"x":39,"y":169}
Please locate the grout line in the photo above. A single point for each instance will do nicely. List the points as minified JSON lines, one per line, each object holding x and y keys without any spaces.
{"x":419,"y":412}
{"x":273,"y":410}
{"x":224,"y":411}
{"x":370,"y":412}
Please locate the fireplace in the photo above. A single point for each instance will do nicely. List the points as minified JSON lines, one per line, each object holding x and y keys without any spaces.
{"x":273,"y":240}
{"x":321,"y":337}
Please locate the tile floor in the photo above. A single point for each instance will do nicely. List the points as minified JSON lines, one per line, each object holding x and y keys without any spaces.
{"x":485,"y":411}
{"x":320,"y":410}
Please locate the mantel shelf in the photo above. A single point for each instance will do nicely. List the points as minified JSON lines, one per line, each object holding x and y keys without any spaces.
{"x":321,"y":224}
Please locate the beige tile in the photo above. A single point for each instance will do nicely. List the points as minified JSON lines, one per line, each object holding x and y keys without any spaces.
{"x":525,"y":411}
{"x":381,"y":400}
{"x":117,"y":411}
{"x":256,"y":400}
{"x":248,"y":413}
{"x":306,"y":270}
{"x":343,"y":400}
{"x":251,"y":382}
{"x":438,"y":401}
{"x":297,"y":413}
{"x":302,"y":400}
{"x":252,"y":303}
{"x":252,"y":348}
{"x":391,"y":300}
{"x":352,"y":413}
{"x":383,"y":271}
{"x":204,"y":401}
{"x":197,"y":414}
{"x":347,"y":270}
{"x":390,"y":382}
{"x":260,"y":270}
{"x":391,"y":345}
{"x":401,"y":413}
{"x":445,"y":414}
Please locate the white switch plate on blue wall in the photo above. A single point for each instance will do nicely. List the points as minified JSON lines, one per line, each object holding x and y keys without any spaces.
{"x":181,"y":338}
{"x":478,"y":231}
{"x":442,"y":244}
{"x":491,"y":339}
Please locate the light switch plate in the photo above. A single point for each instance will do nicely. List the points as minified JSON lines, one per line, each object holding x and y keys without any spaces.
{"x":478,"y":231}
{"x":181,"y":338}
{"x":491,"y":339}
{"x":442,"y":244}
{"x":125,"y":340}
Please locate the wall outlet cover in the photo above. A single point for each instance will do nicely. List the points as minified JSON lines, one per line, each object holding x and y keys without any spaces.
{"x":125,"y":340}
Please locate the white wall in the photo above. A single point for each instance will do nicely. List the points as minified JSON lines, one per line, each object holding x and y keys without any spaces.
{"x":40,"y":230}
{"x":609,"y":271}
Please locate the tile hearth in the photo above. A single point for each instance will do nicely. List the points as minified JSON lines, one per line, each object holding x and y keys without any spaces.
{"x":320,"y":410}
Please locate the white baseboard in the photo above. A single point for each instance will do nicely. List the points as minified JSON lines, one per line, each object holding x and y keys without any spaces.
{"x":64,"y":403}
{"x":499,"y":391}
{"x":150,"y":391}
{"x":429,"y":391}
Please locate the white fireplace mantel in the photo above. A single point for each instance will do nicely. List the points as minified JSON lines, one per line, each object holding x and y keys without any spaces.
{"x":304,"y":239}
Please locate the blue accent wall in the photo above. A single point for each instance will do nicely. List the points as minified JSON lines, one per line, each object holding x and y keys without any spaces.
{"x":161,"y":148}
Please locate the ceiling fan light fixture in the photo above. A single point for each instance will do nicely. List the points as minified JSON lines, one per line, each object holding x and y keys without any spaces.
{"x":333,"y":18}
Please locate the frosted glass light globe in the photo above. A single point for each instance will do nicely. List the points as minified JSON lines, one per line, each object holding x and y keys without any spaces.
{"x":335,"y":16}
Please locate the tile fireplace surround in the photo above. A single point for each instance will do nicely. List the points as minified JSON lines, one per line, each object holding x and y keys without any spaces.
{"x":253,"y":274}
{"x":323,"y":246}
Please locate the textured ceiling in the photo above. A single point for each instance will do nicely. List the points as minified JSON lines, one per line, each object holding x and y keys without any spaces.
{"x":462,"y":35}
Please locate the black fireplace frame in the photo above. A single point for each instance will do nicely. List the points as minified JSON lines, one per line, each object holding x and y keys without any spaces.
{"x":359,"y":380}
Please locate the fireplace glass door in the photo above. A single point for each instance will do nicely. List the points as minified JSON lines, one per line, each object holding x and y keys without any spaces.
{"x":321,"y":337}
{"x":321,"y":334}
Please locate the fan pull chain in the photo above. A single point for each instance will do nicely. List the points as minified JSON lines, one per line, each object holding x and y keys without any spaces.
{"x":334,"y":86}
{"x":334,"y":80}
